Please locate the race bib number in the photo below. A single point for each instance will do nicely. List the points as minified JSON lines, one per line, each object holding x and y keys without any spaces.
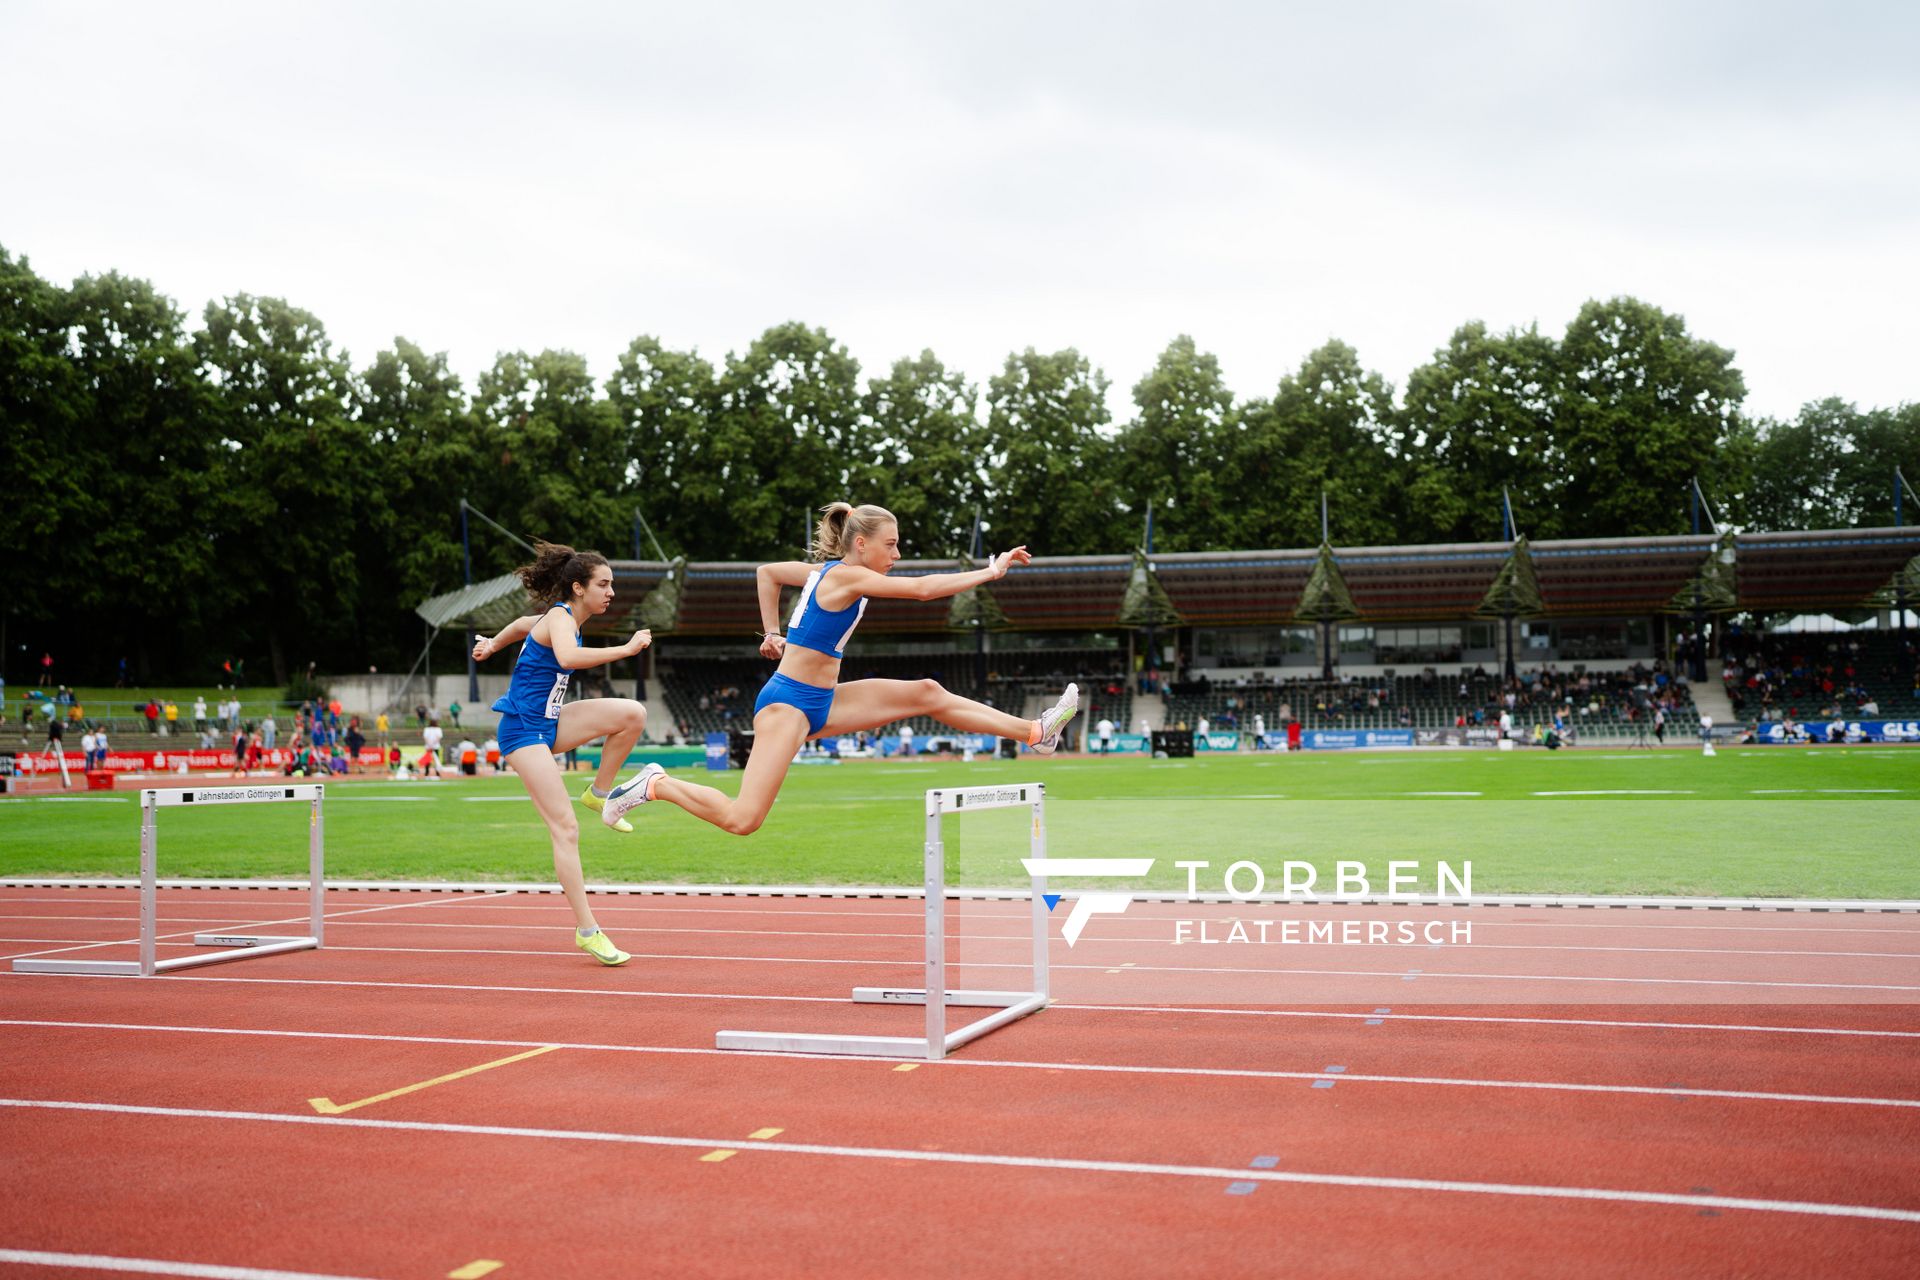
{"x":558,"y":696}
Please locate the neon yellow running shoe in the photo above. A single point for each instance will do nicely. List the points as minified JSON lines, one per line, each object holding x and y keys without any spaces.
{"x":601,"y":948}
{"x":596,"y":803}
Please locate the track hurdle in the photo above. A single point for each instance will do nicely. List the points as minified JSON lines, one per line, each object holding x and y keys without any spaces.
{"x":234,"y":946}
{"x":938,"y":1042}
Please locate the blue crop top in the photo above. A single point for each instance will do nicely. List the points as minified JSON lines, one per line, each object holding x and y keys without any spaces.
{"x":820,"y":629}
{"x":539,"y":683}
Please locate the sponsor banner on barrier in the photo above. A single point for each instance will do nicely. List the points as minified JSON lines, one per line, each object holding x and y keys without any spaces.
{"x":38,"y":762}
{"x":717,"y":752}
{"x":1229,"y":741}
{"x":1123,"y":744}
{"x":1270,"y":742}
{"x":1774,"y":731}
{"x":1440,"y":737}
{"x":1344,"y":739}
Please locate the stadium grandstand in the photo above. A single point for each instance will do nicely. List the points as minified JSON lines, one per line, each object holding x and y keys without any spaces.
{"x":1408,"y":637}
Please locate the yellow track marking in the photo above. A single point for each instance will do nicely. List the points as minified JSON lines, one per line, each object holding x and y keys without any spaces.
{"x":475,"y":1269}
{"x":328,"y":1107}
{"x":761,"y":1135}
{"x":908,"y":1066}
{"x":715,"y":1157}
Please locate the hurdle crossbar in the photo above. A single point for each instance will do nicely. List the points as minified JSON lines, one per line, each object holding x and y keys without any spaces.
{"x":938,"y":1042}
{"x":233,"y":946}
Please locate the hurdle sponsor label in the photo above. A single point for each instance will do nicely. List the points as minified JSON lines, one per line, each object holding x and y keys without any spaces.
{"x":961,"y":799}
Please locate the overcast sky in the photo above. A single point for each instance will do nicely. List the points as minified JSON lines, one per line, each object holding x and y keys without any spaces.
{"x":978,"y":178}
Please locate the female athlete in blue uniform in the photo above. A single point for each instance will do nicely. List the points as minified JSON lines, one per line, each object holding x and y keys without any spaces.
{"x":854,"y":550}
{"x":536,"y":721}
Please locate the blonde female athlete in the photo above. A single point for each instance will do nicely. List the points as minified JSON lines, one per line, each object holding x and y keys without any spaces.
{"x":536,"y":720}
{"x":853,"y":552}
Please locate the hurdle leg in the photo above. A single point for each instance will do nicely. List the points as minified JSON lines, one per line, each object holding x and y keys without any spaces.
{"x":936,"y":989}
{"x":149,"y":887}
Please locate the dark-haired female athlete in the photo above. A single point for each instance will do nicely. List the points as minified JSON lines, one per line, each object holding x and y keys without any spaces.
{"x":536,"y":720}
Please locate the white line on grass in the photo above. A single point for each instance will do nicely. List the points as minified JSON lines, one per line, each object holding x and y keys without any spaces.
{"x":1623,"y":791}
{"x":1003,"y":1161}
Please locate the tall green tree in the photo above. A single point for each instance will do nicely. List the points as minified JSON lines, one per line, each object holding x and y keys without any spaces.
{"x":666,"y":401}
{"x":1327,"y":429}
{"x":553,"y":449}
{"x":1173,"y":452}
{"x":413,"y":410}
{"x":1052,"y":479}
{"x":1479,"y":419}
{"x":785,"y":440}
{"x":922,"y":455}
{"x":1832,"y":467}
{"x":1645,"y":406}
{"x":294,"y":473}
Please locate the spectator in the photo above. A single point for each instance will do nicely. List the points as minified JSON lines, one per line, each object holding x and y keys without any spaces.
{"x":453,"y":713}
{"x":86,"y":750}
{"x":469,"y":756}
{"x":269,"y":732}
{"x":381,"y":732}
{"x":100,"y":748}
{"x":906,"y":739}
{"x":430,"y":737}
{"x":356,"y":742}
{"x":491,"y":753}
{"x":46,"y":669}
{"x":200,"y":712}
{"x":420,"y":715}
{"x":1105,"y":731}
{"x":152,"y":713}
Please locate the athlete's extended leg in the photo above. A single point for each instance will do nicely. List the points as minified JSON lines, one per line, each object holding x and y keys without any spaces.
{"x":541,"y":775}
{"x":620,"y":721}
{"x":868,"y":704}
{"x":778,"y":731}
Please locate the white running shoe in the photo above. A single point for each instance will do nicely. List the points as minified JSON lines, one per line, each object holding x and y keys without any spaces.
{"x":636,"y":790}
{"x":1053,"y":721}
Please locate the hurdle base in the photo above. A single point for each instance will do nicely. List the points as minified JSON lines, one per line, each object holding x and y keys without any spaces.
{"x":918,"y":995}
{"x":237,"y":946}
{"x":1013,"y":1005}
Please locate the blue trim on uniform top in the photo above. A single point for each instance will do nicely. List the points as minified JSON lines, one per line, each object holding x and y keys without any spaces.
{"x":813,"y":701}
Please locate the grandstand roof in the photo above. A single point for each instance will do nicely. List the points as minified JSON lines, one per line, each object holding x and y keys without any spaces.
{"x":1598,"y":577}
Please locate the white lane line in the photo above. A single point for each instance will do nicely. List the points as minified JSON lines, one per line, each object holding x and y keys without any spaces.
{"x":964,"y":935}
{"x":1777,"y":791}
{"x":336,"y":799}
{"x":155,"y":1266}
{"x":996,"y":1160}
{"x":1229,"y":1073}
{"x":1859,"y":791}
{"x":1439,"y":793}
{"x":299,"y":919}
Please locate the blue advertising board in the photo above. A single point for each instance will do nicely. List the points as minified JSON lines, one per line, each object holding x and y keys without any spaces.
{"x":718,"y":758}
{"x":1774,"y":731}
{"x":1345,"y":739}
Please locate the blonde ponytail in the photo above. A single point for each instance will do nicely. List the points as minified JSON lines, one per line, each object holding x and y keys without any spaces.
{"x":841,"y":523}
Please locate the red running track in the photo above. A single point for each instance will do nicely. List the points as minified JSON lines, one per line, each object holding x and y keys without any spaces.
{"x":1712,"y":1094}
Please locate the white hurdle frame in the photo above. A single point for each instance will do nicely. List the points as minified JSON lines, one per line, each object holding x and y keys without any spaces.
{"x":938,"y":1042}
{"x":235,"y":946}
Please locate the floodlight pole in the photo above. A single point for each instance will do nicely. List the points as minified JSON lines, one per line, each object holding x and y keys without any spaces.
{"x":1511,"y":668}
{"x":466,"y":558}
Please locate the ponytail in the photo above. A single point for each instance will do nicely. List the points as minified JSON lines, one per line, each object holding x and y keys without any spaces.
{"x":555,"y":568}
{"x":841,"y":523}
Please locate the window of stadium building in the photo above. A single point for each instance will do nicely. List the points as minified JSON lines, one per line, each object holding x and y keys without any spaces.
{"x":1255,"y":646}
{"x":1419,"y":646}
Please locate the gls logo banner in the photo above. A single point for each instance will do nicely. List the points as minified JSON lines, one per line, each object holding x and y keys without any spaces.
{"x":1088,"y":905}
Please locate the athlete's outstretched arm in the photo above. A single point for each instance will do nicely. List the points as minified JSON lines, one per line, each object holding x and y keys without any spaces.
{"x":935,"y":586}
{"x":574,"y":656}
{"x":486,"y":646}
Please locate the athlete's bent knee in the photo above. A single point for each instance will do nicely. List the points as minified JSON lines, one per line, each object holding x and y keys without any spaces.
{"x":929,"y":694}
{"x":566,"y":829}
{"x":743,"y":824}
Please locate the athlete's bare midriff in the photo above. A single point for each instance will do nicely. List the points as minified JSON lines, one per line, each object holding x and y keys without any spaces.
{"x":809,"y":666}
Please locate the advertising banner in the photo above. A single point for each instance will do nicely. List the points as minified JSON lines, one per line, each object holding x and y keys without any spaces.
{"x":1346,"y":739}
{"x":1775,"y":731}
{"x":1229,"y":741}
